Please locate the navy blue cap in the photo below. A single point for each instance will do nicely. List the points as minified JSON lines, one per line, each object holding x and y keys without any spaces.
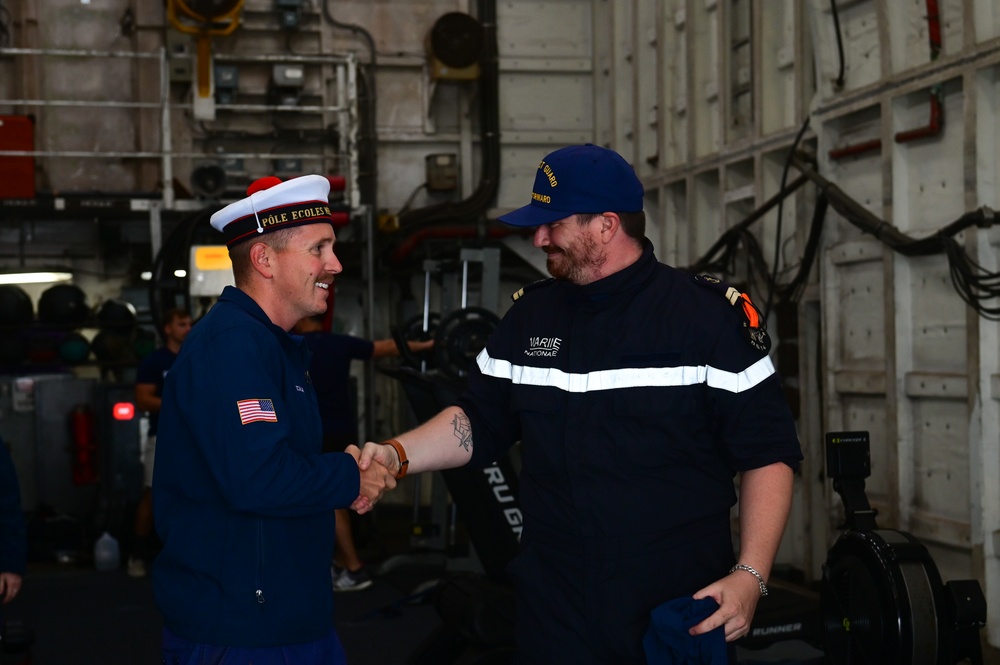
{"x":579,"y":179}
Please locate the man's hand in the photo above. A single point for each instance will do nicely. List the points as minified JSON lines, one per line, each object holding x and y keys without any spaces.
{"x":379,"y":453}
{"x":10,"y":584}
{"x":375,"y":480}
{"x":737,"y":595}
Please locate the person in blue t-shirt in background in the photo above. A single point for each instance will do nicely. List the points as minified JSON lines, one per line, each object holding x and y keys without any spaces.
{"x":330,"y":369}
{"x":149,"y":378}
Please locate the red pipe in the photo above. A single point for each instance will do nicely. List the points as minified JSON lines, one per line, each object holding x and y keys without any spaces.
{"x":933,"y":126}
{"x":934,"y":28}
{"x":856,"y":149}
{"x":936,"y":122}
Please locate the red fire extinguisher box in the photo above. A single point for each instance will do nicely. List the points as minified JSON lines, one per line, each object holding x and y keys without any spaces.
{"x":17,"y":174}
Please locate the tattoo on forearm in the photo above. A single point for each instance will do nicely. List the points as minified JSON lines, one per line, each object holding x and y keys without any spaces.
{"x":463,"y":431}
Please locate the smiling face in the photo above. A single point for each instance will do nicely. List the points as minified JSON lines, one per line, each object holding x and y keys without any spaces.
{"x":573,"y":249}
{"x":303,"y":270}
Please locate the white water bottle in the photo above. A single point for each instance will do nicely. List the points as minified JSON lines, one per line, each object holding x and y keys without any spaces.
{"x":106,"y":554}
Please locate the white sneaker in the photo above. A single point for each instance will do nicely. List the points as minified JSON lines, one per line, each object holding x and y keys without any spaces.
{"x":345,"y":580}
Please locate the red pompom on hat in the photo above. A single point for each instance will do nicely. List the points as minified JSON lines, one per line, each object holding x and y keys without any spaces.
{"x":261,"y":184}
{"x":271,"y":205}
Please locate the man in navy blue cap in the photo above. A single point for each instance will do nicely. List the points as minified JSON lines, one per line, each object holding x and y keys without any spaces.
{"x":243,"y":497}
{"x":637,"y":392}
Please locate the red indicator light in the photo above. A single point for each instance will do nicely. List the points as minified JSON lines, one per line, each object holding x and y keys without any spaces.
{"x":123,"y":411}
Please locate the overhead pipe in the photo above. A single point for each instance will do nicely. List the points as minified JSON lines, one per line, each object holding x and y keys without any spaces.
{"x":933,"y":126}
{"x":855,"y":149}
{"x":472,"y":209}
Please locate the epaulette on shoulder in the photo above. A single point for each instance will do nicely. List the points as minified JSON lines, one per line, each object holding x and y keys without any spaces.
{"x":754,"y":328}
{"x":531,"y":287}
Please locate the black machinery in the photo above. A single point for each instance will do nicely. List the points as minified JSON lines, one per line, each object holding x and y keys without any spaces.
{"x":882,"y":597}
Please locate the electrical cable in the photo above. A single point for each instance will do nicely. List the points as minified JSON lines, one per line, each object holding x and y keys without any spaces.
{"x":789,"y":267}
{"x":413,"y":195}
{"x":839,"y":82}
{"x":781,"y":205}
{"x":974,"y":283}
{"x":5,"y":20}
{"x":731,"y":237}
{"x":792,"y":291}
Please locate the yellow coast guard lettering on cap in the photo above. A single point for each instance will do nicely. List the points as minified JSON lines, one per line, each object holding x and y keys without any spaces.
{"x":547,"y":170}
{"x":550,"y":177}
{"x":272,"y":204}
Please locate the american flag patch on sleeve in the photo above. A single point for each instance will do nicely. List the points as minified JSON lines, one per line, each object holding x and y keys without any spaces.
{"x":256,"y":410}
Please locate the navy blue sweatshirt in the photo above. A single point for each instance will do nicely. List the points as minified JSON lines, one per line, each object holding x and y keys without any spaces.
{"x":243,"y":500}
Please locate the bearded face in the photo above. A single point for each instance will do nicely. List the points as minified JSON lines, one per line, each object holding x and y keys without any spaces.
{"x":572,"y":251}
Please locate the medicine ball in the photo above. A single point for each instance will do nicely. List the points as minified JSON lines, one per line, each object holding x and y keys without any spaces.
{"x":74,"y":348}
{"x":63,"y":305}
{"x":15,"y":306}
{"x":116,"y":315}
{"x":111,"y":346}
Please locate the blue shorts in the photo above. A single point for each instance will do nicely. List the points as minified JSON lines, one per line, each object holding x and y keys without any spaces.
{"x":325,"y":651}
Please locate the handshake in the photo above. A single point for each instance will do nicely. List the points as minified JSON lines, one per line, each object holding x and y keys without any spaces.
{"x":379,"y":466}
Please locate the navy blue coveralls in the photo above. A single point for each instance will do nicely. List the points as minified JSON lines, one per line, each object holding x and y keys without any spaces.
{"x":243,"y":500}
{"x":637,"y":399}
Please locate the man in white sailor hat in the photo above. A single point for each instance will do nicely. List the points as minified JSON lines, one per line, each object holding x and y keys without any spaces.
{"x":243,"y":498}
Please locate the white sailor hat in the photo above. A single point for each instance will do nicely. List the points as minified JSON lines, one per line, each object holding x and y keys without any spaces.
{"x":271,"y":205}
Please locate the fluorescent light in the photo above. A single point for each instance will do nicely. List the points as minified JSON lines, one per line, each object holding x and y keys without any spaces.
{"x":40,"y":277}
